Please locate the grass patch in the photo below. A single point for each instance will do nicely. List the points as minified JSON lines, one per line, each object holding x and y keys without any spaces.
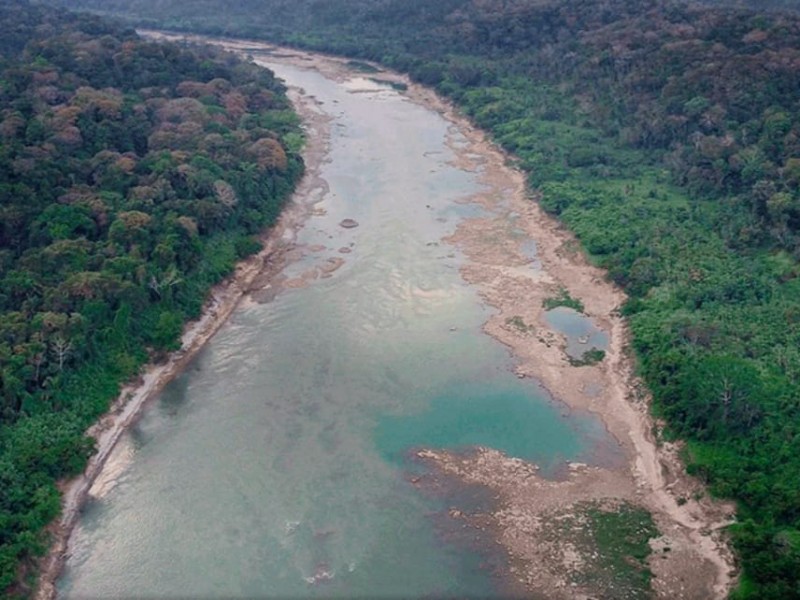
{"x":563,"y":299}
{"x":395,"y":85}
{"x":588,"y":358}
{"x":614,"y":544}
{"x":518,"y":323}
{"x":621,"y":536}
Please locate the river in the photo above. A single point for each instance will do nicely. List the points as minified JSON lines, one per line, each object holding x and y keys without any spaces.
{"x":281,"y":462}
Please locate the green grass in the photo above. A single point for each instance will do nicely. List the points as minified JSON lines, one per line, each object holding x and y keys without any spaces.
{"x":612,"y":541}
{"x":619,"y":537}
{"x":588,"y":358}
{"x":518,"y":323}
{"x":563,"y":299}
{"x":395,"y":85}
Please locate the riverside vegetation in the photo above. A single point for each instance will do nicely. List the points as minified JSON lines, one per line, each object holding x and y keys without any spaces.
{"x":667,"y":137}
{"x":133,"y":175}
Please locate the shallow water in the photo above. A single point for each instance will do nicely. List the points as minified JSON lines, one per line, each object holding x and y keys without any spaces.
{"x":278,"y":464}
{"x":579,"y":330}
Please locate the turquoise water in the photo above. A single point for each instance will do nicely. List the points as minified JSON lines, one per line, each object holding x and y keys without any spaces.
{"x":501,"y":414}
{"x":277,"y":465}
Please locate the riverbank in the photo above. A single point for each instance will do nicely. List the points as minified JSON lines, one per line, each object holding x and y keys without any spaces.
{"x":253,"y":273}
{"x":699,"y":563}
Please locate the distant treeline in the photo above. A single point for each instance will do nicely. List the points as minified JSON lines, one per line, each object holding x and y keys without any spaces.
{"x":771,"y":5}
{"x":133,"y":175}
{"x":667,"y":136}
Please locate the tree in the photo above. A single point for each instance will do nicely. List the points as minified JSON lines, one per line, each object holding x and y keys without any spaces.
{"x":61,"y":348}
{"x":720,"y":395}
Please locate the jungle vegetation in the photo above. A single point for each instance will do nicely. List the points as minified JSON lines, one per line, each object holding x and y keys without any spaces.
{"x":667,"y":137}
{"x":133,"y":175}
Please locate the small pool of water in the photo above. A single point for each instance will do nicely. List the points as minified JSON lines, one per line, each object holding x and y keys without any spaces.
{"x":581,"y":332}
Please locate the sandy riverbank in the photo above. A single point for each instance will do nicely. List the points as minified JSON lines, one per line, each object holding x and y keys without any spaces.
{"x":256,"y":273}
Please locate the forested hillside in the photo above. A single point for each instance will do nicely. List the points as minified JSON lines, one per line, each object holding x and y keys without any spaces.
{"x":667,"y":136}
{"x":132,"y":176}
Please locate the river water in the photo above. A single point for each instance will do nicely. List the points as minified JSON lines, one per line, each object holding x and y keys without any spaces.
{"x":280,"y":463}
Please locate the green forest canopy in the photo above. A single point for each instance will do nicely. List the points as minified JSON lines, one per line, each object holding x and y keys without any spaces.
{"x":133,"y":175}
{"x":667,"y":136}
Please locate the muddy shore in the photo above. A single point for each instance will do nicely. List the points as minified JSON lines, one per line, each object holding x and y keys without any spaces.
{"x":699,"y":564}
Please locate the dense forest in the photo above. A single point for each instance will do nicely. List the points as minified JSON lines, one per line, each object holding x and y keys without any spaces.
{"x":667,"y":137}
{"x":777,"y":5}
{"x":133,"y":175}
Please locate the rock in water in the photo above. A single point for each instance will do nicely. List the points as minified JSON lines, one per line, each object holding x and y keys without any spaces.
{"x":349,"y":223}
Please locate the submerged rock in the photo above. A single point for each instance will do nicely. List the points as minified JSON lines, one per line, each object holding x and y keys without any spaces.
{"x":349,"y":223}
